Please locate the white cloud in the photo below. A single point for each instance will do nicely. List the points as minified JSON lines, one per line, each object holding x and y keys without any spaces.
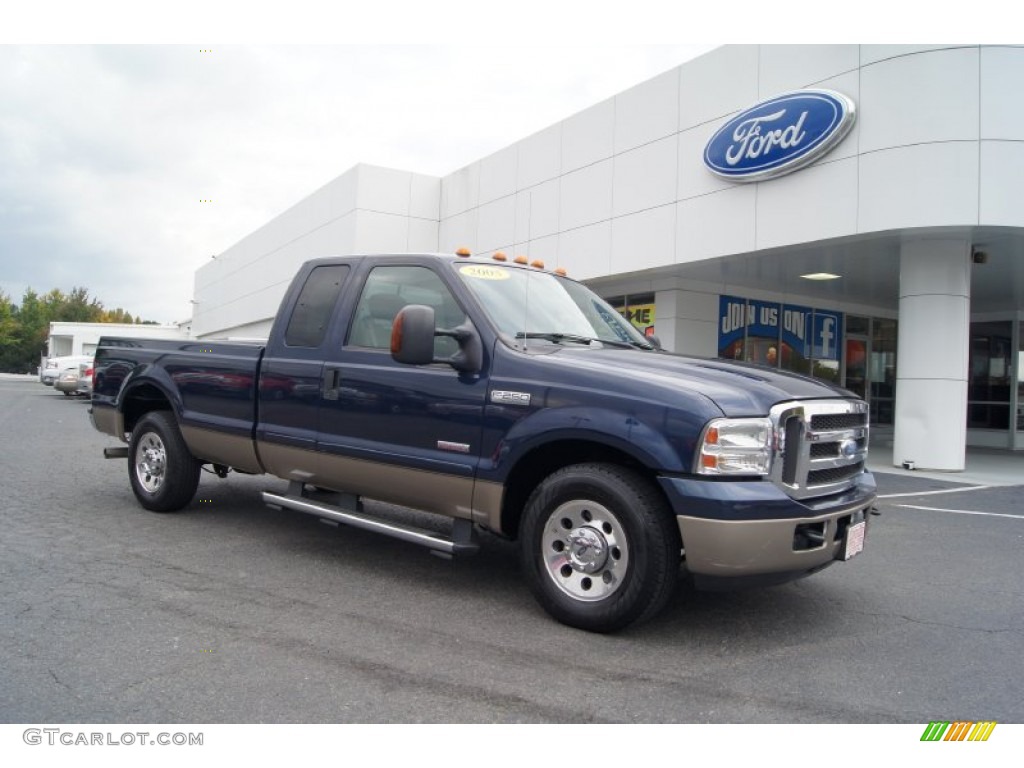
{"x":107,"y":151}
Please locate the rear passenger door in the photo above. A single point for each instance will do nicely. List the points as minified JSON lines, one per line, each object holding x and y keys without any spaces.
{"x":291,"y":375}
{"x":401,"y":433}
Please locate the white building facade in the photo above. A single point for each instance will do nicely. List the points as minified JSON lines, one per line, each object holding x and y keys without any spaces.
{"x":81,"y":339}
{"x":914,"y":215}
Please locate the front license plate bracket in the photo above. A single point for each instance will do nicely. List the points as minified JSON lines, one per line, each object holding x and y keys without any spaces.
{"x":853,"y":541}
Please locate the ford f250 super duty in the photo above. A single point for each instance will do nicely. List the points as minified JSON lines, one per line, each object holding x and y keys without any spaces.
{"x":509,"y":398}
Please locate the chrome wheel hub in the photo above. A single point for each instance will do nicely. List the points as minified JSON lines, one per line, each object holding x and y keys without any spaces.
{"x":585,"y":550}
{"x":151,"y":462}
{"x":588,"y":549}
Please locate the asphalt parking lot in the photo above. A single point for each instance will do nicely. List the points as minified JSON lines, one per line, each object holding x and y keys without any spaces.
{"x":233,"y":612}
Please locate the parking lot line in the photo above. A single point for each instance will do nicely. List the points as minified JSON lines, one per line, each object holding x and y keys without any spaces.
{"x":959,"y":511}
{"x":933,"y":493}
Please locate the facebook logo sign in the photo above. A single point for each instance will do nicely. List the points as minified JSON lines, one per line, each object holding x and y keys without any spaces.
{"x":828,"y":333}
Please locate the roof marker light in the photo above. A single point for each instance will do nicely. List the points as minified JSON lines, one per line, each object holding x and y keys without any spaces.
{"x":463,"y":252}
{"x":561,"y":272}
{"x":537,"y":264}
{"x":521,"y":260}
{"x":499,"y":256}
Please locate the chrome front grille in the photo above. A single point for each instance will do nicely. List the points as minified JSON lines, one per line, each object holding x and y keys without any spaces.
{"x":820,"y":446}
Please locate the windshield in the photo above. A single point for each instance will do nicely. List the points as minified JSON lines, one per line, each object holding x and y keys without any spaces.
{"x":530,"y":304}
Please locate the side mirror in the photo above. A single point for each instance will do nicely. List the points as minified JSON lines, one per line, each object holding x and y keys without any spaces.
{"x":412,"y":340}
{"x":412,"y":335}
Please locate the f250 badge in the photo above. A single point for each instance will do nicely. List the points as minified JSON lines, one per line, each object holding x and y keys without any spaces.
{"x":780,"y":135}
{"x":502,"y":397}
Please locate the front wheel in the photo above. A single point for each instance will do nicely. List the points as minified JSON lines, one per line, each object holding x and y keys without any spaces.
{"x":163,"y":473}
{"x":599,"y":547}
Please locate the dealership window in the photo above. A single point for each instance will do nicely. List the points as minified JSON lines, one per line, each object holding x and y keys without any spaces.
{"x":786,"y":336}
{"x":638,"y":309}
{"x":990,"y":375}
{"x":1020,"y":377}
{"x":882,"y":370}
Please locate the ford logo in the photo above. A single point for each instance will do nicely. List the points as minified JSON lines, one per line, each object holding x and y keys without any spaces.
{"x":780,"y":135}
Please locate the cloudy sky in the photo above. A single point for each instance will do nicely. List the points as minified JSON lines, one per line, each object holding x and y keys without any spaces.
{"x":114,"y":131}
{"x":106,"y":151}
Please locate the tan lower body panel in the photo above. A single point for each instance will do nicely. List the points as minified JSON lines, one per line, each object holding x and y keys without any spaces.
{"x":109,"y":422}
{"x":435,"y":492}
{"x":221,"y":448}
{"x":752,"y":547}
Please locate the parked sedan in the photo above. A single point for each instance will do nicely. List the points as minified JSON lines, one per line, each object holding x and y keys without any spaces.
{"x":55,"y":366}
{"x":75,"y":381}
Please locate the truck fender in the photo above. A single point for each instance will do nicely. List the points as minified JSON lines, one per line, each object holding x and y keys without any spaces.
{"x":153,"y":376}
{"x":622,"y":431}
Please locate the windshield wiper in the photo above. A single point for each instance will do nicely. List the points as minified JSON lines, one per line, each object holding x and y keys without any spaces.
{"x":556,"y":337}
{"x":560,"y":337}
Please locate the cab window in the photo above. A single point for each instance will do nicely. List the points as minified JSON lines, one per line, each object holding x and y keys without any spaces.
{"x":308,"y":324}
{"x":390,"y":288}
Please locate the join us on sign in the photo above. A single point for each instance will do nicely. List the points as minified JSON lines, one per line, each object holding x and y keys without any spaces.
{"x":742,"y":315}
{"x":816,"y":332}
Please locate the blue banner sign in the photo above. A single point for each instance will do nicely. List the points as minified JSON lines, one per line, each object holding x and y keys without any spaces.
{"x":780,"y":135}
{"x":828,"y":335}
{"x":754,"y":330}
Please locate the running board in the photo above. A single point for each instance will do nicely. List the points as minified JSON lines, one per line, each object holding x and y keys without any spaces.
{"x":462,"y":542}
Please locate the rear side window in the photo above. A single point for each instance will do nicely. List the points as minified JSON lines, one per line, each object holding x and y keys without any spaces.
{"x":308,"y":323}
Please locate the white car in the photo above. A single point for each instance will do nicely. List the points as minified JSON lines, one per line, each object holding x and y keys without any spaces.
{"x":57,"y":365}
{"x":75,"y":381}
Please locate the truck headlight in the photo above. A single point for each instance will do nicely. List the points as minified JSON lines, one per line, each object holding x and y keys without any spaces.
{"x":735,"y":447}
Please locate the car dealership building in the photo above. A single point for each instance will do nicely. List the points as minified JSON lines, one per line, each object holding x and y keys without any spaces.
{"x":850,"y":212}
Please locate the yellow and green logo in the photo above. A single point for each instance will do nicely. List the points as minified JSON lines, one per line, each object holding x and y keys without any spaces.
{"x":958,"y":731}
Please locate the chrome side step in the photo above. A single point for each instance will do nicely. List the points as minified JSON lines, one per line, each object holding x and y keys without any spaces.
{"x":462,"y":542}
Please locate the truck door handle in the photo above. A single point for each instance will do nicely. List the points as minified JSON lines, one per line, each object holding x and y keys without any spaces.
{"x":331,"y":383}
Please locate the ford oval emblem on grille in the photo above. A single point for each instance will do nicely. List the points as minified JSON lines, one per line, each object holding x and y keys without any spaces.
{"x":848,"y":448}
{"x":779,"y":135}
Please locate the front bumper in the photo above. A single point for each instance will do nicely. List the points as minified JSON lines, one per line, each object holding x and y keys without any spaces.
{"x":751,"y":533}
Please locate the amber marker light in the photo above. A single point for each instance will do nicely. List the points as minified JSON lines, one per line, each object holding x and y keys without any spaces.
{"x":463,"y":252}
{"x":537,"y":264}
{"x":499,"y":256}
{"x":521,"y":260}
{"x":560,"y":271}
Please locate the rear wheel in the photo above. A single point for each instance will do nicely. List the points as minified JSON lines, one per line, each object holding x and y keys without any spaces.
{"x":599,"y":547}
{"x":163,"y":474}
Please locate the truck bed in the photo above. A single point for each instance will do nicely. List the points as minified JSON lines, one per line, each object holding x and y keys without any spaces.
{"x":212,"y":385}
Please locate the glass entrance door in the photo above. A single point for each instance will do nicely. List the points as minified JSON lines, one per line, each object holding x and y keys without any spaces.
{"x":857,"y":365}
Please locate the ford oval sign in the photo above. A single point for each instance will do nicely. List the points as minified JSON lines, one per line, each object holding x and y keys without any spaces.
{"x":780,"y":135}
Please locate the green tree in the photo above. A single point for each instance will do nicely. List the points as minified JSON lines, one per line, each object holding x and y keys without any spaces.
{"x":24,"y":329}
{"x":8,"y":332}
{"x":33,"y":327}
{"x":79,"y":308}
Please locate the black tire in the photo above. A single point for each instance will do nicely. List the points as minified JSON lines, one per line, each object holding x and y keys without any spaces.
{"x":163,"y":474}
{"x":600,"y":547}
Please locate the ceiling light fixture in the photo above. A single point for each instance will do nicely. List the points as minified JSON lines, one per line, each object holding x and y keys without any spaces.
{"x":820,"y":276}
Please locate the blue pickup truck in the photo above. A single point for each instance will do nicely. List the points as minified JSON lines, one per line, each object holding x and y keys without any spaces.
{"x":505,"y":397}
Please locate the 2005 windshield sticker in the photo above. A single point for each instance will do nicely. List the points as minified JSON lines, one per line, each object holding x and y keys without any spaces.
{"x":484,"y":272}
{"x":759,"y":331}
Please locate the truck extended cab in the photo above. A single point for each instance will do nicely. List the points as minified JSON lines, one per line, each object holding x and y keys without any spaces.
{"x":507,"y":398}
